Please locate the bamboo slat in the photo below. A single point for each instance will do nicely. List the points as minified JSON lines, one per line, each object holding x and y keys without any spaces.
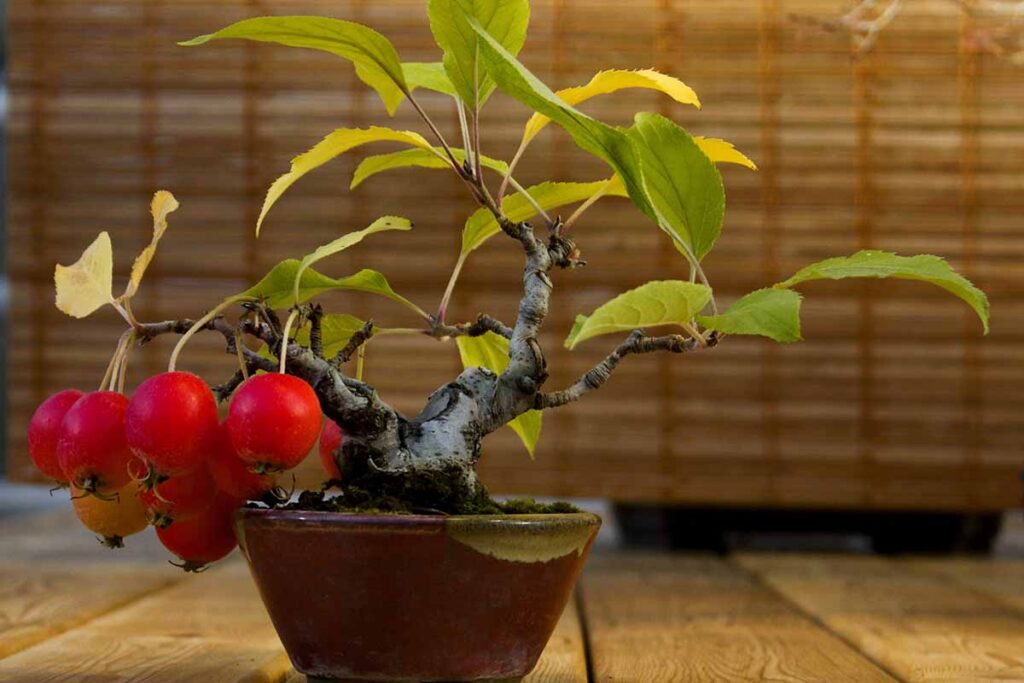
{"x":894,"y":400}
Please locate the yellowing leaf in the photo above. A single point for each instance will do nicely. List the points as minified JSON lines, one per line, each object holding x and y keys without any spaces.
{"x":86,"y":285}
{"x":422,"y":158}
{"x":344,"y":242}
{"x":605,"y":82}
{"x":163,"y":203}
{"x":373,"y":55}
{"x":607,"y":143}
{"x":723,"y":152}
{"x":335,"y":144}
{"x":429,"y":75}
{"x":491,"y":351}
{"x":481,"y":226}
{"x":662,"y":302}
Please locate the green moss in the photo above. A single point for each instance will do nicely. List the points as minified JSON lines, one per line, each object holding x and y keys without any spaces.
{"x":356,"y":499}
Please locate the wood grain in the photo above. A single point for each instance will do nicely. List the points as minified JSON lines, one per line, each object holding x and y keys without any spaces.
{"x":210,"y":628}
{"x":662,"y":618}
{"x":1000,"y":579}
{"x":37,"y":603}
{"x":564,"y":659}
{"x":917,"y":624}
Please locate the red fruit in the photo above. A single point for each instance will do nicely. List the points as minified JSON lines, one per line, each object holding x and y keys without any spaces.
{"x":179,"y":498}
{"x":44,"y":432}
{"x":330,"y":440}
{"x":171,"y":420}
{"x":92,"y":450}
{"x":205,"y":538}
{"x":274,"y":421}
{"x":232,"y":474}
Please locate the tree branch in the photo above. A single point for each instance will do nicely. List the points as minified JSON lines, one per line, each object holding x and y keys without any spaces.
{"x":358,"y":339}
{"x":482,"y":325}
{"x":596,"y":377}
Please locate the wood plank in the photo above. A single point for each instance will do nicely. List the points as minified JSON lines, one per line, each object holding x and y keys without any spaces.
{"x":678,"y":618}
{"x":564,"y":659}
{"x":37,"y":603}
{"x":919,"y":625}
{"x":211,"y":628}
{"x":1000,"y":579}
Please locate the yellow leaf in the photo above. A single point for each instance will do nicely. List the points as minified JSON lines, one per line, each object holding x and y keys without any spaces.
{"x":86,"y":285}
{"x":605,"y":82}
{"x":723,"y":152}
{"x":163,"y":203}
{"x":335,"y":144}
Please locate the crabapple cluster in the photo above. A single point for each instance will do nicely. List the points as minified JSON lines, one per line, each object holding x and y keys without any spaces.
{"x":163,"y":458}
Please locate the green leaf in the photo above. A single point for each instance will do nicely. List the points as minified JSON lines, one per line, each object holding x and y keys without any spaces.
{"x":662,"y":302}
{"x":772,"y":313}
{"x":491,"y":351}
{"x":345,"y":241}
{"x":336,"y":330}
{"x":375,"y":59}
{"x":335,"y":144}
{"x":603,"y":141}
{"x":882,"y":264}
{"x":482,"y":225}
{"x":681,"y":181}
{"x":373,"y":165}
{"x":613,"y":80}
{"x":429,"y":75}
{"x":450,"y":22}
{"x":277,"y":287}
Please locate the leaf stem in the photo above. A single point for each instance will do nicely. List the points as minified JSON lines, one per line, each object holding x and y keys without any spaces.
{"x":360,"y":362}
{"x":567,"y":225}
{"x":465,"y":131}
{"x":122,"y":370}
{"x":511,"y":167}
{"x":112,"y":365}
{"x":533,"y":202}
{"x":435,"y":131}
{"x":243,"y":367}
{"x":198,"y":325}
{"x":442,"y":309}
{"x":284,"y":339}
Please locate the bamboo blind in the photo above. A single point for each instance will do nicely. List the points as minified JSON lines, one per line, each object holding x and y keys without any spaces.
{"x":894,"y":401}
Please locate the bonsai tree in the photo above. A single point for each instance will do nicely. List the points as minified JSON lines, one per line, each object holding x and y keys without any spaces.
{"x":297,"y":361}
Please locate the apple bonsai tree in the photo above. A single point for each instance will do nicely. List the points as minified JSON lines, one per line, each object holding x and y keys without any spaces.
{"x":161,"y":456}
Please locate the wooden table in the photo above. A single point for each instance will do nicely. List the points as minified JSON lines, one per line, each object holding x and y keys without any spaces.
{"x":73,"y":611}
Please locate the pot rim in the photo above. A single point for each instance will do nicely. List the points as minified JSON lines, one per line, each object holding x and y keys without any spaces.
{"x":402,"y":520}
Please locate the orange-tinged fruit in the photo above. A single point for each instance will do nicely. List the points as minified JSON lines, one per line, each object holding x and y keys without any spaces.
{"x":122,"y":515}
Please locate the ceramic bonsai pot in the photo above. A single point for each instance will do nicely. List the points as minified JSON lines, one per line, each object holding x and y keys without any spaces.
{"x":414,"y":597}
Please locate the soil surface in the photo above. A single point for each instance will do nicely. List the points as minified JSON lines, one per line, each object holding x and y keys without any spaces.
{"x":335,"y":498}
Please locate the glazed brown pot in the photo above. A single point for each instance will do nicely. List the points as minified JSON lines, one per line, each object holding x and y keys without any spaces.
{"x":414,"y":597}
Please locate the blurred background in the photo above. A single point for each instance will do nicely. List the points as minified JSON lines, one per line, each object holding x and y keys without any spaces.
{"x":895,"y":419}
